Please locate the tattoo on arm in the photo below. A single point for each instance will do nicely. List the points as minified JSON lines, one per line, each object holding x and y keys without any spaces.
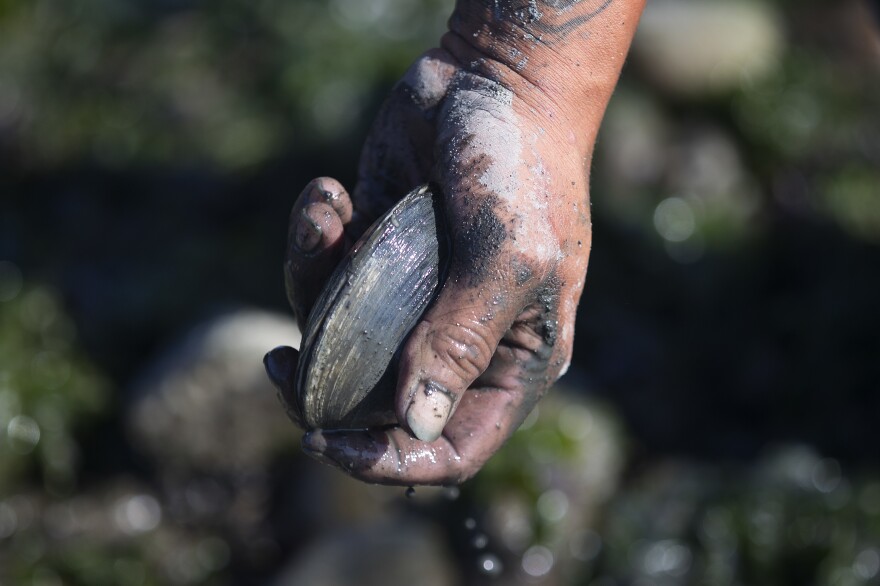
{"x":548,"y":17}
{"x":564,"y":27}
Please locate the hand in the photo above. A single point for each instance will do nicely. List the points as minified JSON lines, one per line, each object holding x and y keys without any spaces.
{"x":514,"y":175}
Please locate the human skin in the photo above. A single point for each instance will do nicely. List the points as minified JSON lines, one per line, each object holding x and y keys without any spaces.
{"x":503,"y":117}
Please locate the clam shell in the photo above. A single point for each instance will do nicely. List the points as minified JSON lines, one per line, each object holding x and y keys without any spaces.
{"x":347,"y":370}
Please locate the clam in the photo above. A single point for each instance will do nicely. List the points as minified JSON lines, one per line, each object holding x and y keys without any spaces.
{"x":347,"y":371}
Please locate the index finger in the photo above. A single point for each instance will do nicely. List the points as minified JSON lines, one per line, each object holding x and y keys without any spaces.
{"x":316,"y":241}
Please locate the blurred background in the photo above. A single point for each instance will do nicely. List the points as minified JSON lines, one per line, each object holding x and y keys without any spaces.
{"x":719,"y":423}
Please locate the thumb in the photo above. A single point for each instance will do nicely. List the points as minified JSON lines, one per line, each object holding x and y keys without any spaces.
{"x":446,"y":352}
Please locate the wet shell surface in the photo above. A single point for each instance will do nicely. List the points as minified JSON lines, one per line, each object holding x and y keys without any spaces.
{"x":347,"y":371}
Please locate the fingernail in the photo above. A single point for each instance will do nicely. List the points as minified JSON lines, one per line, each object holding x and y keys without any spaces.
{"x":429,"y":411}
{"x":308,"y":233}
{"x":280,"y":365}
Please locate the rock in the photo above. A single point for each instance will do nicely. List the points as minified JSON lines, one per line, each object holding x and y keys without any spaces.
{"x":699,"y":47}
{"x":117,"y":533}
{"x":395,"y":551}
{"x":206,"y":403}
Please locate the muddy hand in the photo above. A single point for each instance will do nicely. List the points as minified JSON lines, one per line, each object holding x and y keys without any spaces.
{"x":325,"y":222}
{"x":501,"y":330}
{"x":506,"y":127}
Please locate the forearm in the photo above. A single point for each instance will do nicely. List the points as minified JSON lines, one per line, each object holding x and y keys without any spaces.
{"x":561,"y":57}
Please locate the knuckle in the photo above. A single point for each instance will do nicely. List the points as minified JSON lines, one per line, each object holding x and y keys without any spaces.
{"x":323,"y":189}
{"x":543,"y":250}
{"x":465,"y":349}
{"x":427,"y":80}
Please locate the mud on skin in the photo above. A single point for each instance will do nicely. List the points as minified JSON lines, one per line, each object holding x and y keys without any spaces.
{"x":548,"y":297}
{"x":476,"y":247}
{"x":543,"y":21}
{"x":532,"y":338}
{"x":522,"y":271}
{"x":398,"y":154}
{"x":535,"y":363}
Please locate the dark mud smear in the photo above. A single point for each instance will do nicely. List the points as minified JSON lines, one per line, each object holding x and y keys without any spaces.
{"x":548,"y":297}
{"x":477,"y":246}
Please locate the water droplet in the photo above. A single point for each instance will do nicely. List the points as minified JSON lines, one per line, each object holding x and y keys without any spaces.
{"x":537,"y":561}
{"x":470,"y":524}
{"x":490,"y":565}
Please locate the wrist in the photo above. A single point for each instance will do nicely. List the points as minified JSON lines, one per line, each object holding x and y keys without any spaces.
{"x":554,"y":111}
{"x":562,"y":58}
